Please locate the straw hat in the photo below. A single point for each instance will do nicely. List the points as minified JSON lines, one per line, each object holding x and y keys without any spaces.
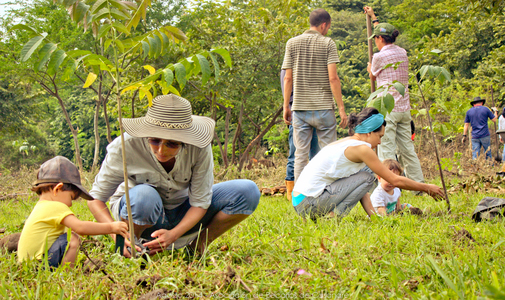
{"x":170,"y":118}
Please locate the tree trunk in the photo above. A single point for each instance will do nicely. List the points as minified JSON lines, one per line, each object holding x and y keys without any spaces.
{"x":236,"y":140}
{"x":258,"y":138}
{"x":56,"y":94}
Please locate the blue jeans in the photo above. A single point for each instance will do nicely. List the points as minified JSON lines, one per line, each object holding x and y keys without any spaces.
{"x":57,"y":251}
{"x":340,"y":196}
{"x":239,"y":196}
{"x":484,"y":142}
{"x":304,"y":122}
{"x":314,"y":148}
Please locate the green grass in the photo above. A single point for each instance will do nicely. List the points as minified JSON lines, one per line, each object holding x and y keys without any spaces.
{"x":401,"y":256}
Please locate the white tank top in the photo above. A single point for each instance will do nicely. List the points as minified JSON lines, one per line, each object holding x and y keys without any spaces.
{"x":327,"y":166}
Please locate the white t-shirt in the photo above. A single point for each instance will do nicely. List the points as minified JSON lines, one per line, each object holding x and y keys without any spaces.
{"x":326,"y":167}
{"x":501,"y":123}
{"x":380,"y":198}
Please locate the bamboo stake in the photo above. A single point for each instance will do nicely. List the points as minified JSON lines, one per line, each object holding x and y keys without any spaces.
{"x":370,"y":48}
{"x":125,"y":170}
{"x":435,"y":144}
{"x":497,"y":157}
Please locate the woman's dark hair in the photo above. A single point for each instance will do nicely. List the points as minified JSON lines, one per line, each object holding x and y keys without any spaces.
{"x":503,"y":112}
{"x":356,"y":119}
{"x":389,"y":39}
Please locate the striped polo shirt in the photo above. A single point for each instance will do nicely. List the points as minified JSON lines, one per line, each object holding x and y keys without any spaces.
{"x":309,"y":55}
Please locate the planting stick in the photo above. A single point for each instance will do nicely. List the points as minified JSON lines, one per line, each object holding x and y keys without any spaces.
{"x":125,"y":173}
{"x":370,"y":47}
{"x":435,"y":144}
{"x":497,"y":157}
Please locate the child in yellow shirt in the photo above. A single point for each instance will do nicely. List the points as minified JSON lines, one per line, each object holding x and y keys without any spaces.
{"x":58,"y":184}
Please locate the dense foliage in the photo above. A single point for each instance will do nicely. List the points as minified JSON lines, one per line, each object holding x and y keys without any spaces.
{"x":246,"y":99}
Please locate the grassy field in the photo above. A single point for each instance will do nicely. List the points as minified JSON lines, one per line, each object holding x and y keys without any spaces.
{"x":274,"y":254}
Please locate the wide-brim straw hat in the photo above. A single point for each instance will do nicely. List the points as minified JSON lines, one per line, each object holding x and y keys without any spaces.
{"x":477,"y":100}
{"x":170,"y":118}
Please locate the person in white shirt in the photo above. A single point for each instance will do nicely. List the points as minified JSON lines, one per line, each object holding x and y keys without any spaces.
{"x":339,"y":176}
{"x":386,"y":197}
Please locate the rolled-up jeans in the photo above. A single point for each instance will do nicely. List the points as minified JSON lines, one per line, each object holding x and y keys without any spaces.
{"x":239,"y":196}
{"x":338,"y":197}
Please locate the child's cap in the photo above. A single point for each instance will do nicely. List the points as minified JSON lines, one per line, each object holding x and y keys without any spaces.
{"x":61,"y":169}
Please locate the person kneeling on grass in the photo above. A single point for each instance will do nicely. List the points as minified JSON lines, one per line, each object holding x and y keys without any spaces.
{"x":385,"y":197}
{"x":58,"y":184}
{"x":339,"y":175}
{"x":174,"y":201}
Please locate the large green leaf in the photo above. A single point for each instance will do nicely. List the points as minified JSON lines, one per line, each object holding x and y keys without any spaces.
{"x":389,"y":102}
{"x":30,"y":47}
{"x":159,"y":46}
{"x":121,"y":28}
{"x":80,"y":11}
{"x":104,"y":29}
{"x":119,"y":15}
{"x":153,"y":46}
{"x":45,"y":53}
{"x":145,"y":49}
{"x":98,"y":5}
{"x":180,"y":74}
{"x":102,"y":13}
{"x":55,"y":61}
{"x":121,"y":7}
{"x":75,"y":53}
{"x":176,"y":32}
{"x":205,"y":68}
{"x":399,"y":87}
{"x":224,"y":54}
{"x":216,"y":66}
{"x":168,"y":76}
{"x":24,"y":27}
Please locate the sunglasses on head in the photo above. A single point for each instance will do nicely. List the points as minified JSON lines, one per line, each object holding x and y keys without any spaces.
{"x":168,"y":143}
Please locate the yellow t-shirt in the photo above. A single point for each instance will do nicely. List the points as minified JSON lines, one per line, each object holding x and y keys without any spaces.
{"x":43,"y":223}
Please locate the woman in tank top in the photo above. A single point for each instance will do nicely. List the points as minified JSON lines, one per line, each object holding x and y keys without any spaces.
{"x":342,"y":173}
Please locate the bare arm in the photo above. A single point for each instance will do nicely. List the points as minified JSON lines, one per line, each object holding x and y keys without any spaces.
{"x":465,"y":128}
{"x":92,"y":228}
{"x":369,"y":69}
{"x":365,"y":154}
{"x":381,"y":210}
{"x":369,"y":11}
{"x":336,"y":90}
{"x":288,"y":88}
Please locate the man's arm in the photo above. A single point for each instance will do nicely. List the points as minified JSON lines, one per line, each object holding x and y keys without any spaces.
{"x":465,"y":128}
{"x":288,"y":88}
{"x":336,"y":90}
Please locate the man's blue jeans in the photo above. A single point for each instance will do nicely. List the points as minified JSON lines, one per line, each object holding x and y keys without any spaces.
{"x":483,"y":142}
{"x":304,"y":122}
{"x":314,"y":149}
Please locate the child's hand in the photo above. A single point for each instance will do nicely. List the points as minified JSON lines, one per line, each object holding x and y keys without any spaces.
{"x":436,"y":192}
{"x":120,"y":227}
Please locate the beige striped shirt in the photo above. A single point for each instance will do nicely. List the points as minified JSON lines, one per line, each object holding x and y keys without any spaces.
{"x":309,"y":55}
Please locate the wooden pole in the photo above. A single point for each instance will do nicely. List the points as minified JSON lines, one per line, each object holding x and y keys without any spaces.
{"x":370,"y":48}
{"x":435,"y":144}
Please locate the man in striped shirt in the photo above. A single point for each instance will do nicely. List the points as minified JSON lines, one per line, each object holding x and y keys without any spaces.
{"x":398,"y":129}
{"x":310,"y":62}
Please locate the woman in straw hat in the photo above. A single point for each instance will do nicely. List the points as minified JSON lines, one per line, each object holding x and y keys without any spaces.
{"x":171,"y":182}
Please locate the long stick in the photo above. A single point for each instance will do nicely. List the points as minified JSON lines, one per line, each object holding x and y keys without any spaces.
{"x":497,"y":157}
{"x":370,"y":48}
{"x":435,"y":144}
{"x":125,"y":172}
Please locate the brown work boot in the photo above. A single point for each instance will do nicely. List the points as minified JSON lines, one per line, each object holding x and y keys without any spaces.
{"x":289,"y":189}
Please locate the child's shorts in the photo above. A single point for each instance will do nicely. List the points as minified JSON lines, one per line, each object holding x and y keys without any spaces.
{"x":57,"y":251}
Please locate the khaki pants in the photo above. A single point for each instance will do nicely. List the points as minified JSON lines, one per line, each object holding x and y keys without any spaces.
{"x":398,"y":135}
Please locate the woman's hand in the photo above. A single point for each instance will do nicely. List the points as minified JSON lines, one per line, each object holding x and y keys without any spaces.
{"x":369,"y":11}
{"x":436,"y":192}
{"x":163,"y":239}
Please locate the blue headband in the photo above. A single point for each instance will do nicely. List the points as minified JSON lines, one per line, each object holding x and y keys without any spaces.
{"x":372,"y":123}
